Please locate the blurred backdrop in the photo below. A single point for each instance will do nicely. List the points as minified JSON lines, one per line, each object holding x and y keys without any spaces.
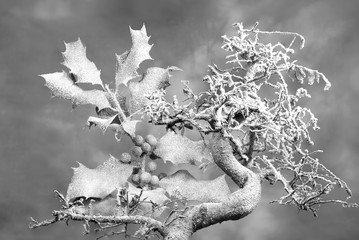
{"x":41,"y":138}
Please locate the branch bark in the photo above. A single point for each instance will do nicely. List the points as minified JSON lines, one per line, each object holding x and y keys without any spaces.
{"x":238,"y":205}
{"x":67,"y":214}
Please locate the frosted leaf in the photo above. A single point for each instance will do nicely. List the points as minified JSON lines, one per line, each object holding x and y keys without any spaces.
{"x":127,"y":126}
{"x":184,"y":187}
{"x":303,"y":73}
{"x":122,"y":102}
{"x":104,"y":123}
{"x":75,"y":59}
{"x":98,"y":182}
{"x":118,"y":102}
{"x":61,"y":85}
{"x":179,"y":149}
{"x":129,"y":61}
{"x":154,"y":78}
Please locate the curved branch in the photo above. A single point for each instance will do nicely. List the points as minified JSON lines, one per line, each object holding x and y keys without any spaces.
{"x":240,"y":203}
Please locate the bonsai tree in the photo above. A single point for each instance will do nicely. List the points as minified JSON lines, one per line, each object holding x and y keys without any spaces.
{"x":249,"y":121}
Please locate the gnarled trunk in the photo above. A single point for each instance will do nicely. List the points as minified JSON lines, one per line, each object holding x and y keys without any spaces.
{"x":238,"y":205}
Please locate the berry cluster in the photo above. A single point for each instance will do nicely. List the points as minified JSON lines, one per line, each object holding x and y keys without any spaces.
{"x":143,"y":175}
{"x":143,"y":146}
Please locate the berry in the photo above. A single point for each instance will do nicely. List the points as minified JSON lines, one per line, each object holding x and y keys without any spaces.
{"x":145,"y":177}
{"x":138,"y":139}
{"x":136,"y":178}
{"x":125,"y":157}
{"x":152,"y":166}
{"x":146,"y":147}
{"x":136,"y":151}
{"x":154,"y":180}
{"x":162,"y":175}
{"x":150,"y":139}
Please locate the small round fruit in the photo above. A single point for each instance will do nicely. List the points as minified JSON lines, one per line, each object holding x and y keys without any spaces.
{"x":154,"y":180}
{"x":145,"y":177}
{"x":136,"y":151}
{"x":136,"y":178}
{"x":152,"y":166}
{"x":125,"y":157}
{"x":162,"y":175}
{"x":138,"y":139}
{"x":150,"y":139}
{"x":146,"y":147}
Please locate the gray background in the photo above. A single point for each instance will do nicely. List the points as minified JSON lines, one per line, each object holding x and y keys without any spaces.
{"x":41,"y":139}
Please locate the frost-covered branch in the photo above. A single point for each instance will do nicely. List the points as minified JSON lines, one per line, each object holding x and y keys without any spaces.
{"x":66,"y":215}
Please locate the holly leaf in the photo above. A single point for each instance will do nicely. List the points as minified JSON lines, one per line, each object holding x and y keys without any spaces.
{"x":98,"y":182}
{"x":184,"y":187}
{"x":129,"y":61}
{"x":153,"y":79}
{"x":179,"y":149}
{"x":76,"y":60}
{"x":117,"y":102}
{"x":105,"y":123}
{"x":127,"y":126}
{"x":117,"y":120}
{"x":61,"y":85}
